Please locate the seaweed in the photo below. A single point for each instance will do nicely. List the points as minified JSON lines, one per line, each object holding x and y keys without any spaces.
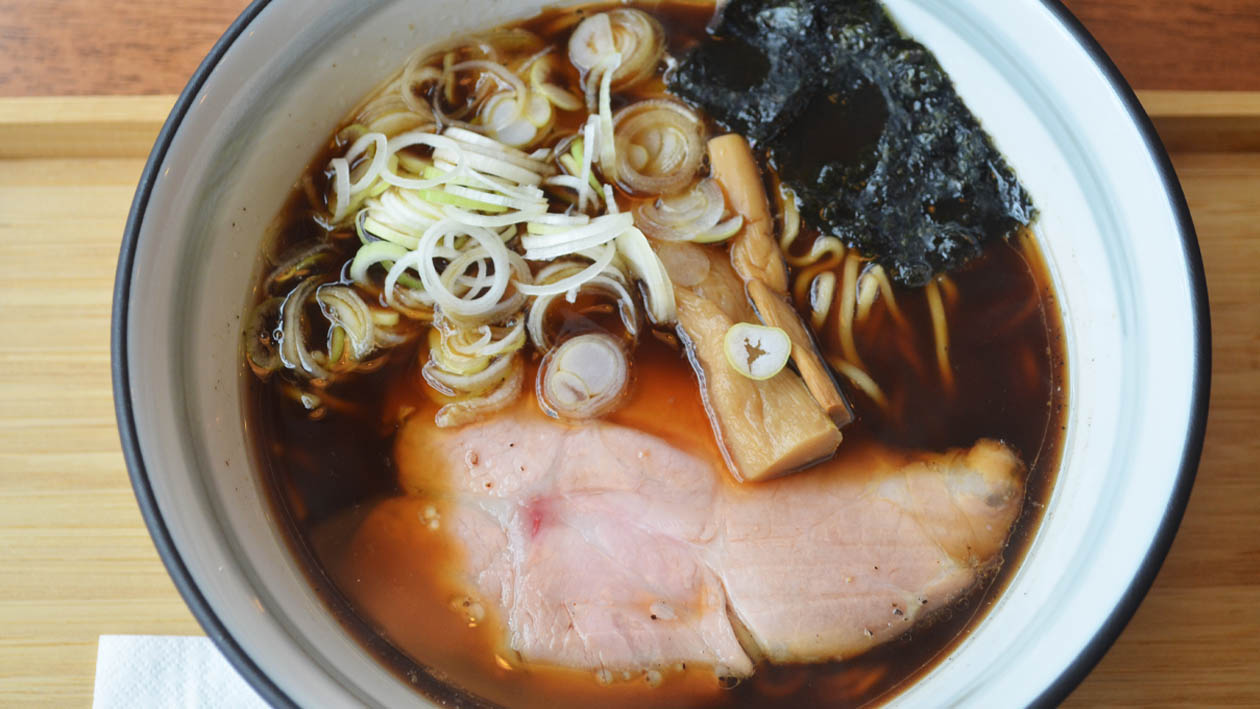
{"x":864,"y":124}
{"x":751,"y":71}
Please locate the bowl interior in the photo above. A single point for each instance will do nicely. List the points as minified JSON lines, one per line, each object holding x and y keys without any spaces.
{"x":1110,"y":226}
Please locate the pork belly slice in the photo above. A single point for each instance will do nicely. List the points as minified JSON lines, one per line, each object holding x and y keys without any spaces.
{"x":605,"y":548}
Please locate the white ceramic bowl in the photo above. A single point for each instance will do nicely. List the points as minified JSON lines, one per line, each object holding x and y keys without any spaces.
{"x":1114,"y":225}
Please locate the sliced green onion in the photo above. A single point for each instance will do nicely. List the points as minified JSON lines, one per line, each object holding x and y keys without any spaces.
{"x":260,"y":346}
{"x":451,"y":361}
{"x":643,"y":261}
{"x":346,"y":310}
{"x":385,"y":318}
{"x":444,"y":197}
{"x":337,"y":344}
{"x":756,"y":351}
{"x":371,"y":254}
{"x":720,"y":232}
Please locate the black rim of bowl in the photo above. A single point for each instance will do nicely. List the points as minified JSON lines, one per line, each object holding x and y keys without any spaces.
{"x":1058,"y":690}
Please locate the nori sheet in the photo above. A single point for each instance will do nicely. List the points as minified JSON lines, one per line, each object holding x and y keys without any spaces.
{"x":864,"y":125}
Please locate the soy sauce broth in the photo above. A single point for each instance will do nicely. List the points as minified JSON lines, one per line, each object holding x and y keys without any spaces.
{"x":327,"y":475}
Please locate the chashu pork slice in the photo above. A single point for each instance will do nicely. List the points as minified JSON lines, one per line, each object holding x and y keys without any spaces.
{"x":828,"y":564}
{"x":590,"y":540}
{"x":605,"y":548}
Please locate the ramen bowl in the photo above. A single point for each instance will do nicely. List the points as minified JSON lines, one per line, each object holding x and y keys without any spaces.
{"x":1114,"y":229}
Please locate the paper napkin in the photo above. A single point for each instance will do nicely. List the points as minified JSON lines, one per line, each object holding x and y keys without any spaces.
{"x":167,"y":671}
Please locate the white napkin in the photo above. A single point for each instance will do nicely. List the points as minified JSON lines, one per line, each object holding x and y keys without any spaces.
{"x":167,"y":671}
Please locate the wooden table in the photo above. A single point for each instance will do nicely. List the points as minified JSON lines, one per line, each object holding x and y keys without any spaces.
{"x":76,"y":561}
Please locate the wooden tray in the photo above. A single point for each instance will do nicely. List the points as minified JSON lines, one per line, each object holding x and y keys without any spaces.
{"x":76,"y":561}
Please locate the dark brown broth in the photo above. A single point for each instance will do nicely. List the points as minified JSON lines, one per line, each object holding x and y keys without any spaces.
{"x":327,"y":475}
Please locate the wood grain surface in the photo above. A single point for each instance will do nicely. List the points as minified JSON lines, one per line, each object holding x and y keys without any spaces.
{"x":76,"y":561}
{"x":1205,"y":45}
{"x":83,"y":47}
{"x":1195,"y":641}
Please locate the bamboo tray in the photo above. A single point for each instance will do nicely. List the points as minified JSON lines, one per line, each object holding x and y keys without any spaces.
{"x":76,"y":561}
